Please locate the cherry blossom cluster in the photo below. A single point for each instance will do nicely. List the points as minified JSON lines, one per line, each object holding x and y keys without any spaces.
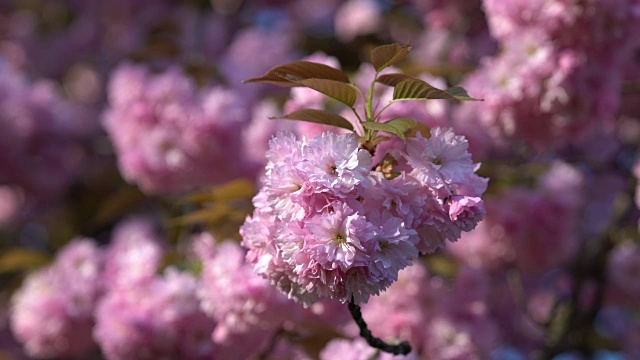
{"x":332,"y":222}
{"x":112,"y":298}
{"x":118,"y":299}
{"x":239,"y":300}
{"x":171,"y":137}
{"x":559,"y":73}
{"x":52,"y":313}
{"x":44,"y":142}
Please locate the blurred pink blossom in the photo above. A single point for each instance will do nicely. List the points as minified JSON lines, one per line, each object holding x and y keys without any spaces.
{"x":171,"y":137}
{"x":52,"y":313}
{"x":355,"y":18}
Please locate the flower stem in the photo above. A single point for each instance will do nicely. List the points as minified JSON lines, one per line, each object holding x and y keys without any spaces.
{"x":370,"y":99}
{"x":402,"y":348}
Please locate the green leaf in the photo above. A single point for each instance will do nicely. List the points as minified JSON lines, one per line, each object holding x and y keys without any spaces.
{"x":292,"y":73}
{"x":416,"y":89}
{"x":397,"y":126}
{"x":318,"y":117}
{"x":392,"y":79}
{"x":335,"y":89}
{"x":387,"y":55}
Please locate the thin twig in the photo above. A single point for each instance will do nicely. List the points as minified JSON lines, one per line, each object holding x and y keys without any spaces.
{"x":402,"y":348}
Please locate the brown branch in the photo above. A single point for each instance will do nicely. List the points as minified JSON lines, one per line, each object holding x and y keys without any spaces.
{"x":402,"y":348}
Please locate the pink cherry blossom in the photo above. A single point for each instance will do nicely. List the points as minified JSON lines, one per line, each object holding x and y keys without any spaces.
{"x":465,"y":211}
{"x":440,"y":160}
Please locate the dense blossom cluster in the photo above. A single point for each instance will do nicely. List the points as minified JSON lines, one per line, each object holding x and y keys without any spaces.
{"x":548,"y":85}
{"x":115,"y":295}
{"x":119,"y":300}
{"x":169,"y":136}
{"x":235,"y":296}
{"x":327,"y":224}
{"x":53,"y":312}
{"x":43,"y":142}
{"x":159,"y":318}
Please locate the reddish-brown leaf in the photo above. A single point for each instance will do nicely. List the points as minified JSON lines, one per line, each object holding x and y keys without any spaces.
{"x":387,"y":55}
{"x":292,"y":73}
{"x":340,"y":91}
{"x":392,"y":79}
{"x":416,"y":89}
